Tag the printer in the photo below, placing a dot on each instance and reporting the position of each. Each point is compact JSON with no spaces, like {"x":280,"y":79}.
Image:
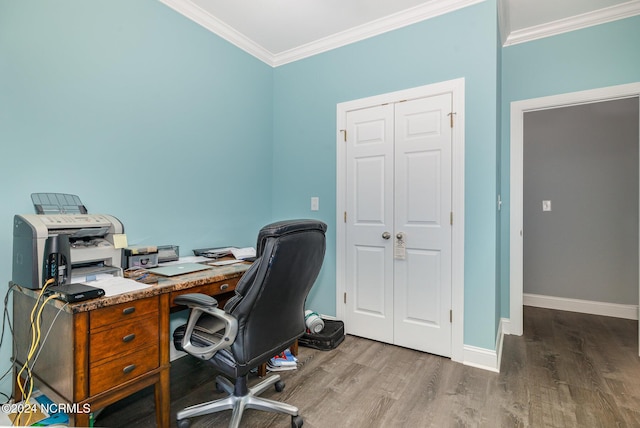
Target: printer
{"x":91,"y":241}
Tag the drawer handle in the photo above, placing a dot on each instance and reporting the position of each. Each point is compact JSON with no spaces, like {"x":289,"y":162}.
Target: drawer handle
{"x":129,"y":337}
{"x":224,"y":286}
{"x":129,"y":310}
{"x":129,"y":368}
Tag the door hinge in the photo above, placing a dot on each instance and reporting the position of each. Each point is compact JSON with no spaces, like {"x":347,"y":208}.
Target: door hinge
{"x":451,"y":218}
{"x":450,"y":315}
{"x":451,"y":118}
{"x":344,"y":134}
{"x":345,"y":216}
{"x":345,"y":298}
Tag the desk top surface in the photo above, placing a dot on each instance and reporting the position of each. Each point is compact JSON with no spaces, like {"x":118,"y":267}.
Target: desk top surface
{"x":157,"y":285}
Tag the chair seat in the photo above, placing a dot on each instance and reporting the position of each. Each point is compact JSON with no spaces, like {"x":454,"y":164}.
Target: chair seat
{"x":223,"y":359}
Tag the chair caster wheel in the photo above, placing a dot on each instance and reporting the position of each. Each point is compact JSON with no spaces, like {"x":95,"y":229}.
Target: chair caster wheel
{"x":296,"y":421}
{"x":279,"y":385}
{"x":184,"y":423}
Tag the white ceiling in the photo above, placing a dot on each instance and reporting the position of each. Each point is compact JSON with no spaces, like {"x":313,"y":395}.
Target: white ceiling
{"x":281,"y":31}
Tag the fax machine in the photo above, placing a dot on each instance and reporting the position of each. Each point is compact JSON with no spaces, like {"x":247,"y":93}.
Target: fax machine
{"x":91,"y":239}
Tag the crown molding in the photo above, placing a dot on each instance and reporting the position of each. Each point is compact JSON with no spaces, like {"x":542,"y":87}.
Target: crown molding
{"x":373,"y":28}
{"x":401,"y":19}
{"x":589,"y":19}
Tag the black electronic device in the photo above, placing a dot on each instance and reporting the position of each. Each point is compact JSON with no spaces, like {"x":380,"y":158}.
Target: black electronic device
{"x":213,"y":253}
{"x":57,"y":260}
{"x":75,"y":292}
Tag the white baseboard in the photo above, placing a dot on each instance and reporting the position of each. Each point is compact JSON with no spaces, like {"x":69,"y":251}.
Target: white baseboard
{"x":500,"y":339}
{"x":481,"y":358}
{"x":506,"y":325}
{"x":328,"y":317}
{"x":584,"y":306}
{"x":486,"y":359}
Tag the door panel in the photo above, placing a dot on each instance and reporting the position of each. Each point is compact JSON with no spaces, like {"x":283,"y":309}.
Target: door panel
{"x":423,"y":188}
{"x":369,"y":184}
{"x":422,"y":301}
{"x":370,"y":175}
{"x":422,"y":292}
{"x":369,"y":296}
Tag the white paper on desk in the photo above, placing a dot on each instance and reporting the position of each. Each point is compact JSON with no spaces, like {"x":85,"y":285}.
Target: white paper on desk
{"x":117,"y":285}
{"x":243,"y":253}
{"x":83,"y":278}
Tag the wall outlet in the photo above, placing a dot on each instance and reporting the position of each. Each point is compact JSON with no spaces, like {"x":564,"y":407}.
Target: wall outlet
{"x":315,"y":203}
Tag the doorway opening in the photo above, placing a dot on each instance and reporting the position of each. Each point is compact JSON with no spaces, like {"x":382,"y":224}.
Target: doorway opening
{"x":517,"y":232}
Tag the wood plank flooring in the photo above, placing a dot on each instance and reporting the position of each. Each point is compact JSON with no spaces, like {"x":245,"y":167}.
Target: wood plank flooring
{"x":567,"y":370}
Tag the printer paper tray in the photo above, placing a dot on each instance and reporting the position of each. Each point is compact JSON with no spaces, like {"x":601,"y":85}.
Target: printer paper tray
{"x":91,"y":273}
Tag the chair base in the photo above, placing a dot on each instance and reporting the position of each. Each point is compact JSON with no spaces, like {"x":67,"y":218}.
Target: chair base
{"x":238,"y":402}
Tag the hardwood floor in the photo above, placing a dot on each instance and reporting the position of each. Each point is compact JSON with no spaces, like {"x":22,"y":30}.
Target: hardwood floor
{"x":567,"y":370}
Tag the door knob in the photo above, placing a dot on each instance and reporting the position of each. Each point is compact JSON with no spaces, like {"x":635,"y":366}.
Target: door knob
{"x":386,"y":235}
{"x":399,"y":236}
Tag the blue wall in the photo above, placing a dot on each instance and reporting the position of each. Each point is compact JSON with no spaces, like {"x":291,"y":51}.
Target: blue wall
{"x":306,"y":93}
{"x":594,"y":57}
{"x":139,"y":111}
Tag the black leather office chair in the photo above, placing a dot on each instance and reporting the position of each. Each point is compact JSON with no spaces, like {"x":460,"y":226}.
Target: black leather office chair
{"x":265,"y":317}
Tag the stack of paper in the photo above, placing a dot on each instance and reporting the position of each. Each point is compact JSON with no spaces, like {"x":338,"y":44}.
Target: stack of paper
{"x":243,"y":253}
{"x":283,"y":361}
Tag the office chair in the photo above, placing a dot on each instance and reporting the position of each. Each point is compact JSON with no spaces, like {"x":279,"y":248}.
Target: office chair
{"x":265,"y":317}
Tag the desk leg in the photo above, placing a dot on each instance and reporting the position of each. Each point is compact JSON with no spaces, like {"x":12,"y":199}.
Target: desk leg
{"x":80,"y":420}
{"x":262,"y":370}
{"x":163,"y":406}
{"x":17,"y":382}
{"x":162,"y":389}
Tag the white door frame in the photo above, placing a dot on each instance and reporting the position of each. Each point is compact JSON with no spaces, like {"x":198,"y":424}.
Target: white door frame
{"x":456,"y":87}
{"x":518,"y":108}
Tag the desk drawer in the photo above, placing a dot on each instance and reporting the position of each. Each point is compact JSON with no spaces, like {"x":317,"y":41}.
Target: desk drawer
{"x":122,"y":312}
{"x":123,"y":337}
{"x":212,"y":289}
{"x":122,"y":369}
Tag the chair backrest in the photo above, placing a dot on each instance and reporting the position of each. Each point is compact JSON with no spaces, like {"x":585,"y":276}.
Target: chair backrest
{"x":270,"y":296}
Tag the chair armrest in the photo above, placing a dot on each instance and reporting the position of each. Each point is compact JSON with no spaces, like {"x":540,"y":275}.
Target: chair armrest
{"x":202,"y":304}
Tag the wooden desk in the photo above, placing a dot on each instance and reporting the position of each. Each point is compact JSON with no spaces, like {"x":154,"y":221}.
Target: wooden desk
{"x":102,"y":350}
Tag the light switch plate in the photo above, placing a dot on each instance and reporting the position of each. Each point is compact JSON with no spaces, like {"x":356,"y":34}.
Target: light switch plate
{"x":546,"y":205}
{"x":315,"y":203}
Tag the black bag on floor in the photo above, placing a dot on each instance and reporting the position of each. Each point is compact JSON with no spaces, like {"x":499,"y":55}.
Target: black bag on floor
{"x":329,"y":338}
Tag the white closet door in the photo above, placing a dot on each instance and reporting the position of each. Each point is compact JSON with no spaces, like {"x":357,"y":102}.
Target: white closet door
{"x":398,"y":232}
{"x":422,"y":280}
{"x":369,"y":182}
